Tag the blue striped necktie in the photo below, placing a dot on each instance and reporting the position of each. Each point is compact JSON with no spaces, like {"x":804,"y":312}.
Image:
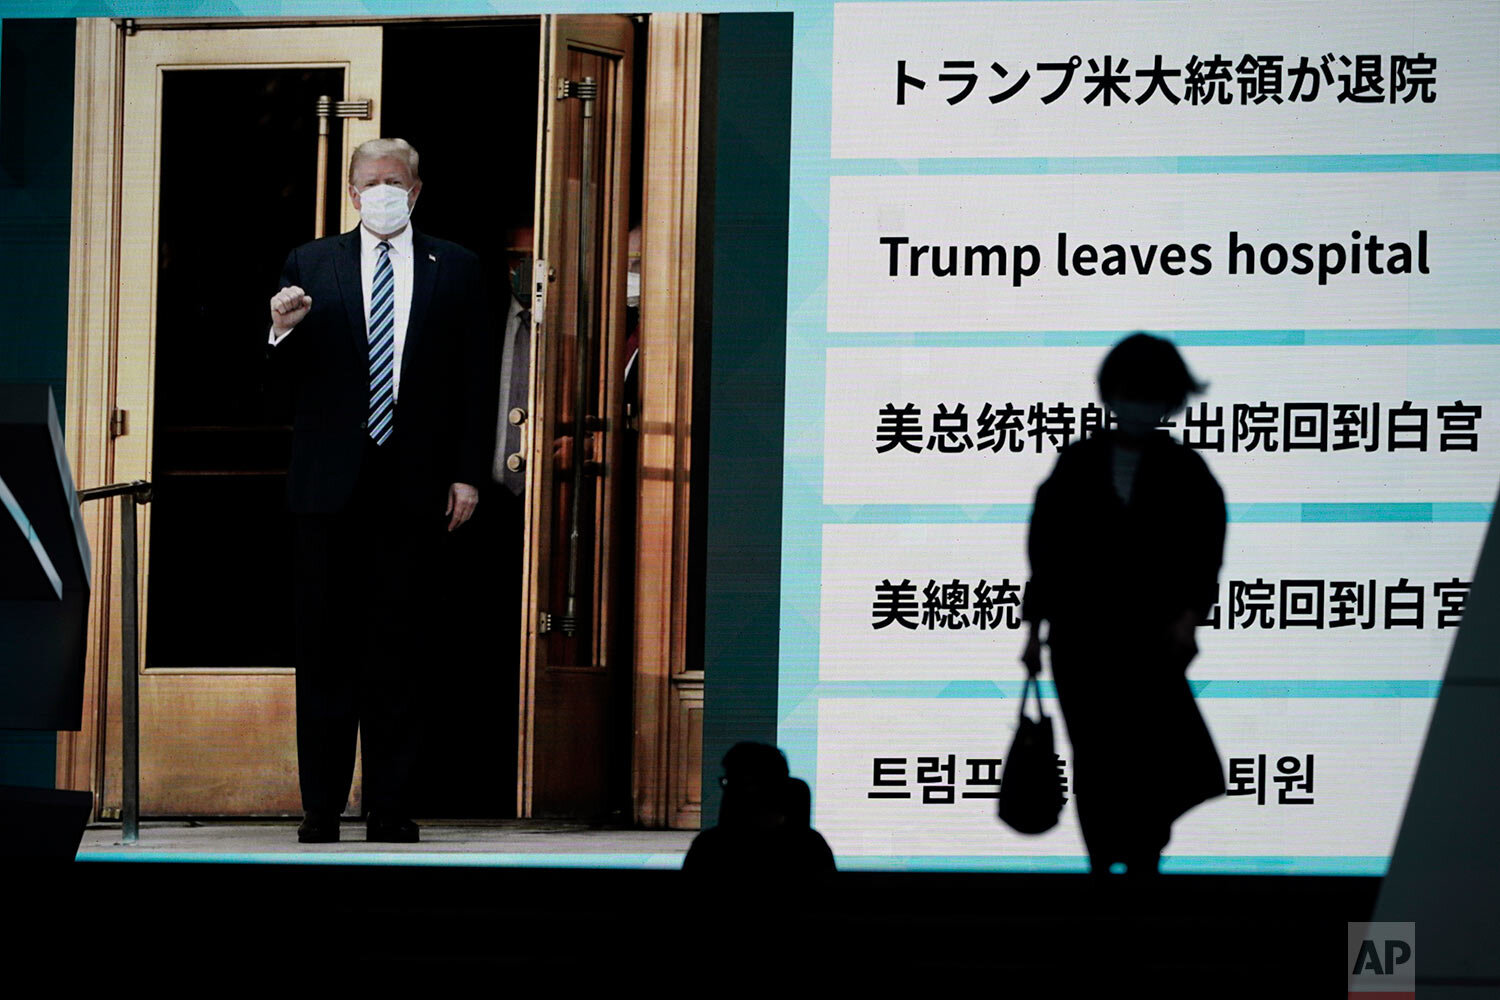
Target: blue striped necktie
{"x":382,"y":347}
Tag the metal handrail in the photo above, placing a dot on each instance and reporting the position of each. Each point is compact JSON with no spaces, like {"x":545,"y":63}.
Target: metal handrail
{"x":139,"y":492}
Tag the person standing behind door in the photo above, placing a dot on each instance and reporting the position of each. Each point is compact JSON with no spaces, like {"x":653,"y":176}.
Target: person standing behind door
{"x":1126,"y":540}
{"x":383,"y":333}
{"x":509,"y":464}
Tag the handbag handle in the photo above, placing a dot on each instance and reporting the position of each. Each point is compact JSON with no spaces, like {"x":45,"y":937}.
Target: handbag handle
{"x":1031,"y":684}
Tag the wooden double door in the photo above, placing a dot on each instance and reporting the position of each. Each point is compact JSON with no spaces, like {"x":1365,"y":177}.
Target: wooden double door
{"x":232,"y":146}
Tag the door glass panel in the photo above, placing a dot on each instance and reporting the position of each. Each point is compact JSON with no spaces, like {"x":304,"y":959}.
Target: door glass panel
{"x":238,"y":166}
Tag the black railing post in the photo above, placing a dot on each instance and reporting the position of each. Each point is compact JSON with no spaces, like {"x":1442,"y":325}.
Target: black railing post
{"x":135,"y":494}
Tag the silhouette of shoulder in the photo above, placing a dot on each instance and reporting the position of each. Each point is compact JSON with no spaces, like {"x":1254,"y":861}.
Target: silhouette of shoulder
{"x":1187,"y":466}
{"x":1077,"y":458}
{"x":706,"y":851}
{"x":816,"y":852}
{"x":763,"y":853}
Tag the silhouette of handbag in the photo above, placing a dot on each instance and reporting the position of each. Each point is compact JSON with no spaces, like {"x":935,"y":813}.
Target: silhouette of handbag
{"x":1031,"y":784}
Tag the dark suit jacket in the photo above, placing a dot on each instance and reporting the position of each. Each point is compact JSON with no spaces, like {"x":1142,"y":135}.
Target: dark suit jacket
{"x":445,"y":412}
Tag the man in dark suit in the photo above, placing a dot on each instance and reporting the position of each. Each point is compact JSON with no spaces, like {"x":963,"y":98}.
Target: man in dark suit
{"x":383,"y":333}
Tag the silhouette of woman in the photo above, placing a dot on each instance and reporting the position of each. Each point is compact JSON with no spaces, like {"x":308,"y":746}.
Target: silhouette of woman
{"x":1126,"y":539}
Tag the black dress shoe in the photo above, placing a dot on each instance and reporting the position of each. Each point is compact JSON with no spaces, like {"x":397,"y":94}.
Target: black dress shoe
{"x":318,"y":828}
{"x":389,"y":829}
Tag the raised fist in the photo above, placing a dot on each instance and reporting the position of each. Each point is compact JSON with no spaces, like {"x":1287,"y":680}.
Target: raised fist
{"x":288,"y":308}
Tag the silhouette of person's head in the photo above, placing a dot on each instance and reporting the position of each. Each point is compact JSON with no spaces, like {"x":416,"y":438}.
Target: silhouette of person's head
{"x":754,"y":782}
{"x":764,"y":831}
{"x":1143,"y":379}
{"x":798,"y":804}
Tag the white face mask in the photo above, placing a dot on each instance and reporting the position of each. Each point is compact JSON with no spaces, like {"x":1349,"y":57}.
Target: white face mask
{"x":632,"y":288}
{"x":383,"y":209}
{"x":1137,"y":419}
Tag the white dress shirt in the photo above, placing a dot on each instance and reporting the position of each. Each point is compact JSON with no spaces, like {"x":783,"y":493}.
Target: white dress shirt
{"x":401,"y":266}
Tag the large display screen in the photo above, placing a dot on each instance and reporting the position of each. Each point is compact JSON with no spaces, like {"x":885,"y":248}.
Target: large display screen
{"x":986,"y":197}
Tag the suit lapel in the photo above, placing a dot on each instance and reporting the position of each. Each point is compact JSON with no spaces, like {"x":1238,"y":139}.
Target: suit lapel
{"x":424,"y":276}
{"x":351,"y":290}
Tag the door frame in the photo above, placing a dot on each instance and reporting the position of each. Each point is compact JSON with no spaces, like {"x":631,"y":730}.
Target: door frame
{"x":666,"y":772}
{"x":667,"y":689}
